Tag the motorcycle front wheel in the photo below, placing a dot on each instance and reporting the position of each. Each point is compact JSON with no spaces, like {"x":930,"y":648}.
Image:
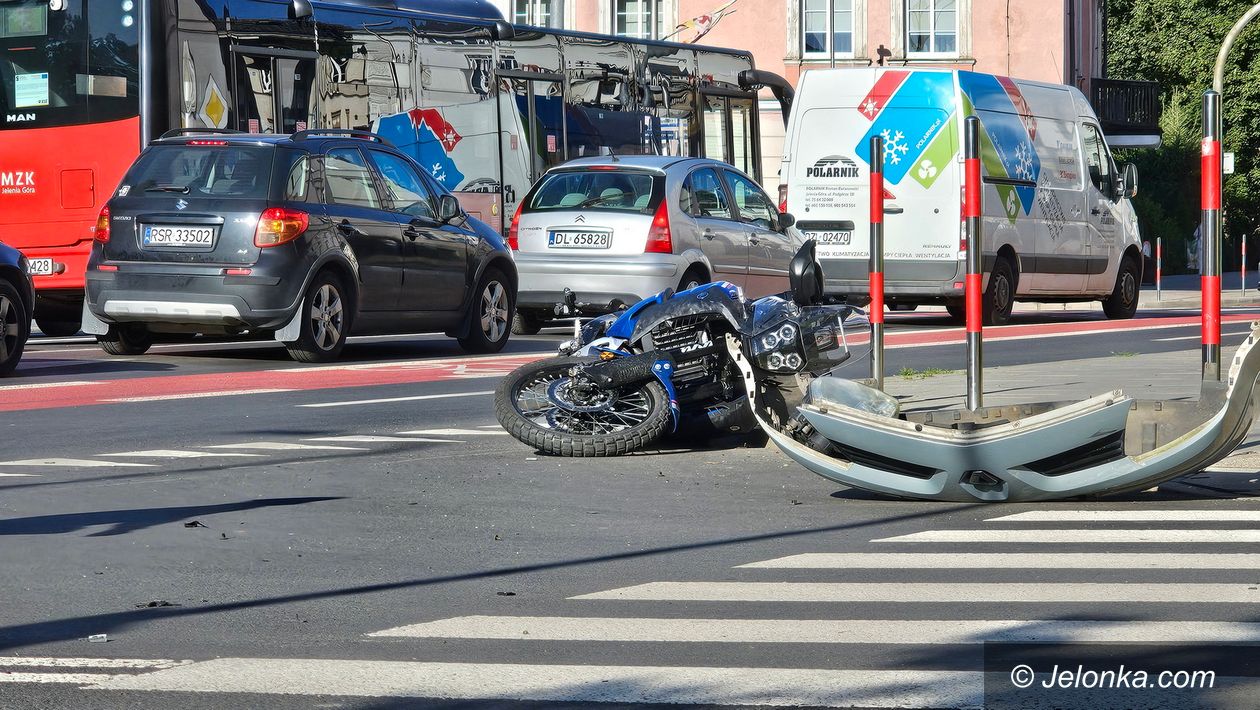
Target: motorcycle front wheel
{"x":542,"y":406}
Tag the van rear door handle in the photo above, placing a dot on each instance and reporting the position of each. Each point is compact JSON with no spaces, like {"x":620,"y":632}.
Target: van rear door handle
{"x":893,"y":209}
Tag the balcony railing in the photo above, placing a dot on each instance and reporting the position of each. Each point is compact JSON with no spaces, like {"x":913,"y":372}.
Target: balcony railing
{"x":1126,"y":107}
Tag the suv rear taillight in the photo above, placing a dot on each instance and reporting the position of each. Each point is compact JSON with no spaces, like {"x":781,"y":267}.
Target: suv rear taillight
{"x":278,"y":225}
{"x":514,"y":236}
{"x":101,"y":233}
{"x":659,"y":240}
{"x":783,"y":198}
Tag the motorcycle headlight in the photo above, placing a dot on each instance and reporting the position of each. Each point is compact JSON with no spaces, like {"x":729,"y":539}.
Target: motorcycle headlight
{"x":778,"y":348}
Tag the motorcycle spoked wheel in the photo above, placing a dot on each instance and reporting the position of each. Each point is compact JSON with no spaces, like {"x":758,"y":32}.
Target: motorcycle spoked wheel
{"x":540,"y":405}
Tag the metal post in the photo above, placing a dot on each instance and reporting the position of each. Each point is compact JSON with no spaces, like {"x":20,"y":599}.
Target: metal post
{"x":1242,"y":269}
{"x":1210,"y":235}
{"x":1159,"y":267}
{"x":973,"y":211}
{"x":876,"y":261}
{"x":831,"y":36}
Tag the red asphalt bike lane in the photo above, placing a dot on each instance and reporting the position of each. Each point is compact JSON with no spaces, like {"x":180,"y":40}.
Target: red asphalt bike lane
{"x":18,"y":397}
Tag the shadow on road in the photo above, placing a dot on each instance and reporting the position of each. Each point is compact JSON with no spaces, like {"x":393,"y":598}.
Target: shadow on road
{"x":125,"y":521}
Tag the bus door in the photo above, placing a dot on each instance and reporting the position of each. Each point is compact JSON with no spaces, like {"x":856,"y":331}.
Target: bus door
{"x":538,"y":100}
{"x":730,"y":130}
{"x":273,"y":89}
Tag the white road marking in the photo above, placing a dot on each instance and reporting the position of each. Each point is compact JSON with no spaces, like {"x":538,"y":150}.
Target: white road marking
{"x":195,"y":395}
{"x":176,"y":454}
{"x":1079,"y":536}
{"x":72,"y":678}
{"x":285,"y":446}
{"x":397,"y":399}
{"x":950,"y":592}
{"x":567,"y":683}
{"x":980,"y":560}
{"x":1130,"y":516}
{"x":366,"y":438}
{"x":18,"y":475}
{"x":49,"y":662}
{"x":43,"y":385}
{"x":1187,"y":337}
{"x":1039,"y":336}
{"x":403,"y":364}
{"x":79,"y":463}
{"x":827,"y":631}
{"x":455,"y":432}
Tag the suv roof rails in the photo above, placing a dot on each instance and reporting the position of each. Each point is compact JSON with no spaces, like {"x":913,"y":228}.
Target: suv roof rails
{"x":185,"y":131}
{"x":315,"y":132}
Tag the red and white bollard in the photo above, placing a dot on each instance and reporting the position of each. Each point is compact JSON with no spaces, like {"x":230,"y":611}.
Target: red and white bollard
{"x":1159,"y":267}
{"x":1210,"y":234}
{"x":973,"y":210}
{"x":876,"y":261}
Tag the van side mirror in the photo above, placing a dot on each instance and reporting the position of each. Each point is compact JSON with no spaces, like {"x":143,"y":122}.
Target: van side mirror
{"x":805,"y":276}
{"x":1130,"y":178}
{"x":300,"y":9}
{"x":786,"y":219}
{"x":447,"y":208}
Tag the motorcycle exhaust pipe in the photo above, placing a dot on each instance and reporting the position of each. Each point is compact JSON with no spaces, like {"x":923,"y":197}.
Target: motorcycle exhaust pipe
{"x":628,"y":370}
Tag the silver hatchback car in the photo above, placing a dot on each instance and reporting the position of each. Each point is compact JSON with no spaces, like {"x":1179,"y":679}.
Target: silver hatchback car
{"x":614,"y":230}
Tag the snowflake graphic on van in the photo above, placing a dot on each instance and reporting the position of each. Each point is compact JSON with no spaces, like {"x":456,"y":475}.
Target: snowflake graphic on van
{"x":917,"y":106}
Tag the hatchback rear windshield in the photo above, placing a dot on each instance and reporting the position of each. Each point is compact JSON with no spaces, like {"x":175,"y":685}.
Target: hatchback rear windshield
{"x":616,"y":190}
{"x":203,"y":171}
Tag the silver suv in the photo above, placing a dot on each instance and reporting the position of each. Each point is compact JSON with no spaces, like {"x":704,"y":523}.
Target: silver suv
{"x":614,"y":230}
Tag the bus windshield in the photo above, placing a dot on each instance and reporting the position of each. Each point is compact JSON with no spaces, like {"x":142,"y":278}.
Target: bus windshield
{"x":75,"y":65}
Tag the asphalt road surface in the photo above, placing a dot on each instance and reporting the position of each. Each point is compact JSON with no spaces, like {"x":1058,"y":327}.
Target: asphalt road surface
{"x":245,"y":531}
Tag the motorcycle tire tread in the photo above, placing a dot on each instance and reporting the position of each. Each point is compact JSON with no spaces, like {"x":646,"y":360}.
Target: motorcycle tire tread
{"x":577,"y":445}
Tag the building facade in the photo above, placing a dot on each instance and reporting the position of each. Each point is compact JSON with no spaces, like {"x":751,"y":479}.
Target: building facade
{"x":1052,"y":40}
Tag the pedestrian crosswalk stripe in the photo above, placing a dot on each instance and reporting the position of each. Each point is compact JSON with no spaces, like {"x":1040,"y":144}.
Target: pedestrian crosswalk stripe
{"x":1002,"y":560}
{"x":567,"y":683}
{"x":177,"y":454}
{"x":54,"y":662}
{"x":285,"y":446}
{"x":1130,"y":516}
{"x":74,"y":463}
{"x":56,"y":677}
{"x":1180,"y":536}
{"x":951,"y":592}
{"x":827,"y":631}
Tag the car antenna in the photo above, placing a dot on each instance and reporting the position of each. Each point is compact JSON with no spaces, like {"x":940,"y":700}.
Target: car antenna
{"x":615,"y":159}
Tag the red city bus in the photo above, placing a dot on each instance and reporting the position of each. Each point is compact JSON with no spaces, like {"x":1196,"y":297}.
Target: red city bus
{"x":70,"y":106}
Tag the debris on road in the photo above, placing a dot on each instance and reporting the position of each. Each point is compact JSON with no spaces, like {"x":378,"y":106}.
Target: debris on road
{"x":195,"y":524}
{"x":98,"y":638}
{"x":155,"y":604}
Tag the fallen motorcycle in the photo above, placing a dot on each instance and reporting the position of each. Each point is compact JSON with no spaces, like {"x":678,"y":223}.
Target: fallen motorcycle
{"x":668,"y":364}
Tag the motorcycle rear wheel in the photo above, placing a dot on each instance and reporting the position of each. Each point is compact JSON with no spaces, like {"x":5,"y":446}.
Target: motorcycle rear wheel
{"x":538,"y":405}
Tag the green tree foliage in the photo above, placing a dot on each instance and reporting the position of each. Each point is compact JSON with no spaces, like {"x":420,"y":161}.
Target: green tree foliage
{"x":1175,"y":42}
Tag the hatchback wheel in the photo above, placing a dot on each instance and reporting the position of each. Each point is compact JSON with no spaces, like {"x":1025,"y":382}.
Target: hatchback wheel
{"x":325,"y":321}
{"x":491,"y":316}
{"x":14,"y":327}
{"x":126,"y":339}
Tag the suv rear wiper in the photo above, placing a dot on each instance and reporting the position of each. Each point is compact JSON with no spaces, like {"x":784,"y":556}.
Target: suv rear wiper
{"x":182,"y":189}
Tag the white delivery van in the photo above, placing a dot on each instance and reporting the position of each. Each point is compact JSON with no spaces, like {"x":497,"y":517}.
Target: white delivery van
{"x":1058,"y":223}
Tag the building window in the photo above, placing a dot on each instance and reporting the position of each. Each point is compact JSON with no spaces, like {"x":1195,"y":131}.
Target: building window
{"x":827,"y":27}
{"x":931,"y":27}
{"x":539,"y":13}
{"x":638,"y":19}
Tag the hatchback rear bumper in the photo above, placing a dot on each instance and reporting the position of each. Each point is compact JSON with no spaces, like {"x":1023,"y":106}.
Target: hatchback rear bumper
{"x":599,"y":283}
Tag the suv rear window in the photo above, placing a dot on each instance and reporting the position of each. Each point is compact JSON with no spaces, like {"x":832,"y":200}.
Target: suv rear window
{"x":616,"y":190}
{"x":204,"y":171}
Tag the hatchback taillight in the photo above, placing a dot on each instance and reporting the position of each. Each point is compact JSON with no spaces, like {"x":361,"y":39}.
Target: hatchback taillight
{"x":659,"y":240}
{"x":783,"y":192}
{"x":278,"y":225}
{"x":101,"y":233}
{"x":514,"y":236}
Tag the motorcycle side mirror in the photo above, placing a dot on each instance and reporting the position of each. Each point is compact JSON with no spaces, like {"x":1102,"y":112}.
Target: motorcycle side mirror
{"x":786,"y":219}
{"x":805,"y":276}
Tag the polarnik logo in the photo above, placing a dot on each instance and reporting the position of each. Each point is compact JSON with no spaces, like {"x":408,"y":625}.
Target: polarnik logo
{"x":833,"y":166}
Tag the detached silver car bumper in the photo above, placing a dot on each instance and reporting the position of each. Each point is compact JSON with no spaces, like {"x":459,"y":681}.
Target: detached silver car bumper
{"x":601,"y":282}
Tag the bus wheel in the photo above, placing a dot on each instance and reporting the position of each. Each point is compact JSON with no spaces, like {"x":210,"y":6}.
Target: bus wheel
{"x":999,"y":297}
{"x":1123,"y":301}
{"x":126,"y":339}
{"x":57,"y":328}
